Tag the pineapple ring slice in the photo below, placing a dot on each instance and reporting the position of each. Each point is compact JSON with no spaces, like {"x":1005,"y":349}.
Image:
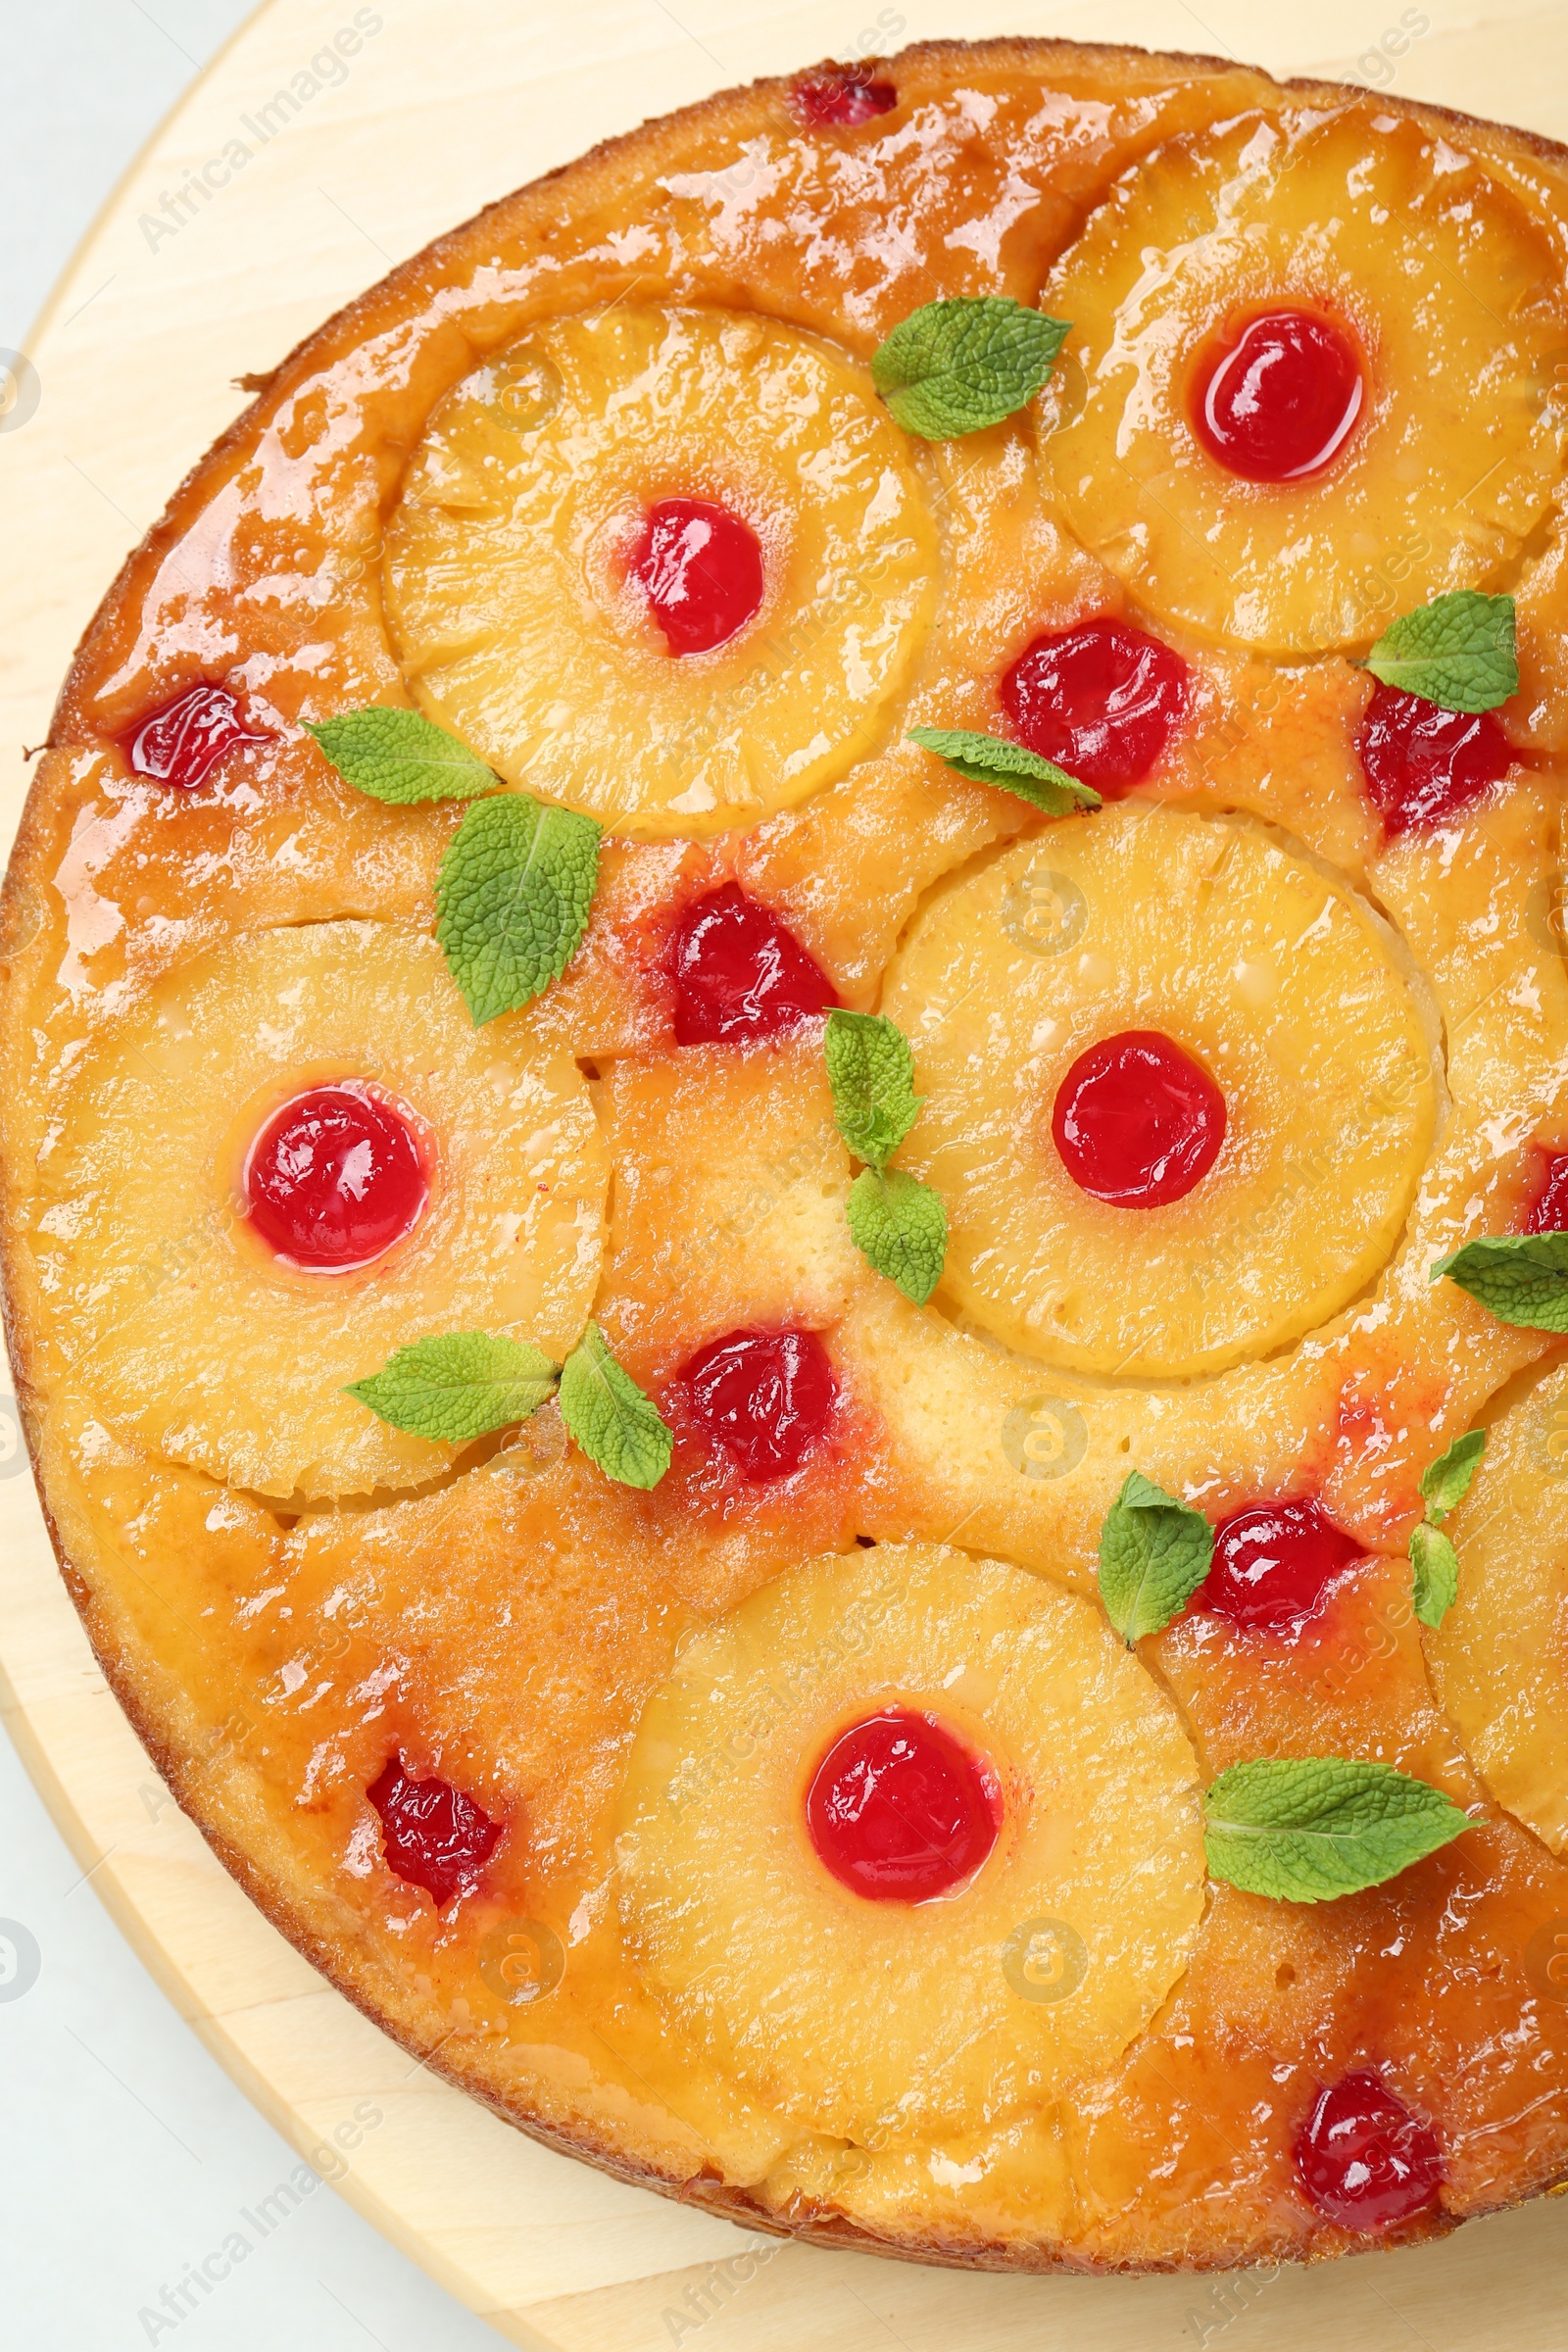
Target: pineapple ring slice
{"x":1449,"y":286}
{"x":1500,"y":1659}
{"x":1289,"y":992}
{"x":887,"y":2022}
{"x":206,"y":1347}
{"x":506,"y":567}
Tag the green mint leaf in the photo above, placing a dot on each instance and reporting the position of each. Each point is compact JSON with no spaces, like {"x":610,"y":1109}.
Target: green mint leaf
{"x":616,"y":1425}
{"x":512,"y":899}
{"x":1154,"y":1555}
{"x":1521,"y":1277}
{"x":1437,"y":1574}
{"x":1457,"y":651}
{"x":991,"y":760}
{"x":459,"y":1385}
{"x":1446,"y":1481}
{"x":958,"y":366}
{"x":900,"y":1225}
{"x":871,"y":1072}
{"x":1307,"y":1828}
{"x":401,"y":756}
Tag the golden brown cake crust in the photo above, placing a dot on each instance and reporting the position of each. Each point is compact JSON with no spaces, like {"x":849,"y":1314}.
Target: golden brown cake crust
{"x":139,"y":1535}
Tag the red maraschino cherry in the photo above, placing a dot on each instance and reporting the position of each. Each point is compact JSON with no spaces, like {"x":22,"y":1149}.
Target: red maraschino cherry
{"x":899,"y":1810}
{"x":1548,"y":1211}
{"x":1277,"y":401}
{"x":767,"y":1399}
{"x":1101,"y":700}
{"x":334,"y":1178}
{"x":182,"y":740}
{"x":1364,"y":2159}
{"x":1425,"y":765}
{"x":1274,"y":1562}
{"x":432,"y":1835}
{"x":1137,"y":1122}
{"x":740,"y":974}
{"x":844,"y":98}
{"x":700,"y":568}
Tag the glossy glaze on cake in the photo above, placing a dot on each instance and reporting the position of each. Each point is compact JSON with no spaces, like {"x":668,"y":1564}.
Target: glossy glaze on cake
{"x":602,"y":483}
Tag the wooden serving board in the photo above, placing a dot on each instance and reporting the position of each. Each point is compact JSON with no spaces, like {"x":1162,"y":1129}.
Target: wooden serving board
{"x":279,"y":188}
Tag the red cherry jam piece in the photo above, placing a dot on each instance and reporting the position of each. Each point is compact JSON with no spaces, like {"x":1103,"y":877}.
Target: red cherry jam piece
{"x":765,"y":1398}
{"x":180,"y":741}
{"x":1100,"y":699}
{"x":1277,"y":402}
{"x":1425,"y":765}
{"x":1273,"y":1563}
{"x":334,"y":1178}
{"x":1137,"y":1122}
{"x":739,"y":973}
{"x":700,"y":568}
{"x":431,"y":1835}
{"x":899,"y":1810}
{"x":1549,"y":1210}
{"x":1364,"y":2160}
{"x":844,"y":98}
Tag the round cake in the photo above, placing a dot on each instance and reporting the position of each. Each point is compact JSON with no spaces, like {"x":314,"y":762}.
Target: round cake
{"x":786,"y":1157}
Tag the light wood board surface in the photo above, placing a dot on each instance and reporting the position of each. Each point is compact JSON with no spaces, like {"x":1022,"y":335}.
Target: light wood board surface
{"x":448,"y":104}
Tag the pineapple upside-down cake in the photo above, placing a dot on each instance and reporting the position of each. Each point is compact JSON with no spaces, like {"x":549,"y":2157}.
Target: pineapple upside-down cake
{"x":786,"y":1157}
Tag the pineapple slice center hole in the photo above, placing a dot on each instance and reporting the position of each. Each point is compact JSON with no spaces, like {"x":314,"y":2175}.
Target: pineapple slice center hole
{"x":901,"y":1810}
{"x":700,"y":567}
{"x":1137,"y":1122}
{"x":336,"y":1177}
{"x":1276,"y":397}
{"x":1101,"y":699}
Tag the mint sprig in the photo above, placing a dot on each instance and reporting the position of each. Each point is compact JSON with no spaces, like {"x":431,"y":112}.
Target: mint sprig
{"x":960,"y":365}
{"x":1458,"y":652}
{"x":991,"y":760}
{"x":1445,"y":1483}
{"x":458,"y":1385}
{"x":900,"y":1227}
{"x":1521,"y":1277}
{"x":615,"y":1424}
{"x":512,"y":899}
{"x":1154,"y":1555}
{"x":464,"y":1384}
{"x":1434,"y":1562}
{"x":1309,"y":1829}
{"x":898,"y":1223}
{"x":1433,"y":1574}
{"x":871,"y":1073}
{"x":400,"y":755}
